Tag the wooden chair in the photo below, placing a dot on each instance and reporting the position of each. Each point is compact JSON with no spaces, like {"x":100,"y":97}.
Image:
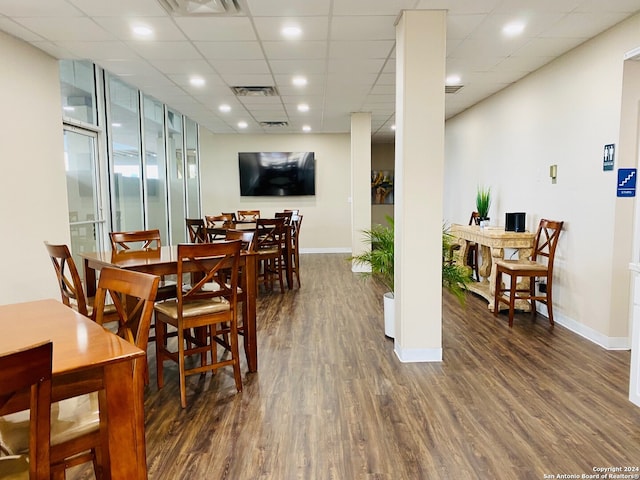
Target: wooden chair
{"x":216,"y":225}
{"x":269,"y":239}
{"x":232,"y":215}
{"x":143,"y":240}
{"x":472,"y":248}
{"x":135,"y":240}
{"x":195,"y":229}
{"x":75,"y":425}
{"x":248,"y":216}
{"x":546,"y":241}
{"x":71,"y":288}
{"x":296,"y":224}
{"x":201,"y":309}
{"x":286,"y":215}
{"x":29,"y":371}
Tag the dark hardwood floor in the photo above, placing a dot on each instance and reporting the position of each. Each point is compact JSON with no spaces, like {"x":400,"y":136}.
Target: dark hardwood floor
{"x":332,"y":401}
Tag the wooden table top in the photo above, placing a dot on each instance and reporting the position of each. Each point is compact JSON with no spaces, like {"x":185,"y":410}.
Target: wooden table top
{"x":78,"y":342}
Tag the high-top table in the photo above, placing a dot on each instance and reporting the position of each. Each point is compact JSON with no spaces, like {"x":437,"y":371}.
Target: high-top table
{"x":86,"y":358}
{"x":492,"y":242}
{"x":164,"y":261}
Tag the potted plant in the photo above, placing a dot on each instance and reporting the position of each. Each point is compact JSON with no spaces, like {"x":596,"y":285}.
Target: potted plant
{"x":380,"y":258}
{"x":483,"y":203}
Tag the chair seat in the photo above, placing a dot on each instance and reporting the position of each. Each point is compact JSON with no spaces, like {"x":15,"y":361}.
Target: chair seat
{"x":519,"y":265}
{"x":268,"y":251}
{"x":70,"y":418}
{"x":14,"y":467}
{"x":193,"y":308}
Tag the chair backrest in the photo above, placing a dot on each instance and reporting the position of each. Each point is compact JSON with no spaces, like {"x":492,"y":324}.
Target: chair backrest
{"x":475,"y":219}
{"x":133,"y":295}
{"x":71,"y":289}
{"x":248,"y":215}
{"x":29,"y":370}
{"x":288,"y":217}
{"x":138,"y":240}
{"x":546,"y":241}
{"x":208,"y":263}
{"x":269,"y":233}
{"x":224,"y":220}
{"x":297,"y":224}
{"x":232,"y":215}
{"x":246,"y":237}
{"x":195,"y":229}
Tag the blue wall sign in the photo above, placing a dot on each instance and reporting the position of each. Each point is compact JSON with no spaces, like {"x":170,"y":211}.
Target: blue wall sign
{"x":627,"y":182}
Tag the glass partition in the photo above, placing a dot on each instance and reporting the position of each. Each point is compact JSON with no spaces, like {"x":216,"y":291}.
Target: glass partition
{"x":126,"y":170}
{"x":176,"y":177}
{"x":78,"y":91}
{"x":192,"y":177}
{"x":155,"y":167}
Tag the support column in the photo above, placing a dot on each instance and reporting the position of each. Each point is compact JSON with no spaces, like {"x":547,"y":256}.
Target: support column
{"x":419,"y":176}
{"x":360,"y":183}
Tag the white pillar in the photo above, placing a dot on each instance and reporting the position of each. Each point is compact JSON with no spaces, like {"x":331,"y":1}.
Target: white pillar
{"x":360,"y":183}
{"x":420,"y":67}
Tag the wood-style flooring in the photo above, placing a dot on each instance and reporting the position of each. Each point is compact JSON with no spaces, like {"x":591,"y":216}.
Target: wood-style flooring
{"x":332,"y":401}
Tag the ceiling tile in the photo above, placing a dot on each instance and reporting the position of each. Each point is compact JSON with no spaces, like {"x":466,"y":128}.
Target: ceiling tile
{"x":119,"y":8}
{"x":313,"y":28}
{"x":298,"y":50}
{"x":100,"y":50}
{"x":164,"y":30}
{"x":364,"y":49}
{"x":230,"y":50}
{"x":66,"y":29}
{"x":38,"y":8}
{"x":166,"y":50}
{"x":373,"y":7}
{"x":222,"y":29}
{"x":287,"y":8}
{"x":363,"y":27}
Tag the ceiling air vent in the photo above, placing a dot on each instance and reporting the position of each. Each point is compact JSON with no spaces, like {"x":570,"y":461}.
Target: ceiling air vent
{"x":255,"y":91}
{"x":452,"y":88}
{"x":188,"y":8}
{"x":274,"y":124}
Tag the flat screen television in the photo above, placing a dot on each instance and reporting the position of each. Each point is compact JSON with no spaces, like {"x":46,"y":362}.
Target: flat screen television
{"x":277,"y":173}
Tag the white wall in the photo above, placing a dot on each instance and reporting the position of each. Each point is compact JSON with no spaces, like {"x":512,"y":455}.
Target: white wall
{"x":327,"y":218}
{"x":563,"y":114}
{"x":33,"y":201}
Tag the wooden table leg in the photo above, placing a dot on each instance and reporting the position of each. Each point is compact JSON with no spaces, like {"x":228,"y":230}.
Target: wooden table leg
{"x":122,"y":422}
{"x":249,"y":312}
{"x":89,"y":279}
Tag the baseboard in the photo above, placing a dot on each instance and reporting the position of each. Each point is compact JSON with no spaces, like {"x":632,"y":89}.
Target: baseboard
{"x":416,"y":355}
{"x":608,"y":343}
{"x":326,"y":250}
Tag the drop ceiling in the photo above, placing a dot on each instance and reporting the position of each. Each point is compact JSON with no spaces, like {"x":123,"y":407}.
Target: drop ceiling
{"x":346,"y":51}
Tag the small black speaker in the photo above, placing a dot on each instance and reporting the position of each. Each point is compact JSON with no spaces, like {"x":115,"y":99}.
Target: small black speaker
{"x":515,"y":222}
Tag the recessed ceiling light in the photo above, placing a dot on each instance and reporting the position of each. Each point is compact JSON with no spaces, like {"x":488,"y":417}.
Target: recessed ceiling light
{"x":512,"y":29}
{"x":197,"y":81}
{"x":299,"y":81}
{"x":224,"y":108}
{"x":303,"y":107}
{"x":142,"y":30}
{"x":306,"y":128}
{"x":453,"y":80}
{"x":291,"y":31}
{"x":243,"y":124}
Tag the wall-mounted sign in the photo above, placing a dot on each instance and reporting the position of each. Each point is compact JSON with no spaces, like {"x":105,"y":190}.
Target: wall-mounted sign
{"x":627,"y":182}
{"x":608,"y":157}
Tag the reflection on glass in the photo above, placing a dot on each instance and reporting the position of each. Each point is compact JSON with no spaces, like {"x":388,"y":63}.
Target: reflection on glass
{"x":78,"y":92}
{"x":176,"y":177}
{"x":126,"y":168}
{"x":155,"y":165}
{"x":193,"y":195}
{"x":80,"y":166}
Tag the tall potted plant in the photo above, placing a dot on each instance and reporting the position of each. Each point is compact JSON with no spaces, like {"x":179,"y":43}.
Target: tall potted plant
{"x":380,"y":258}
{"x":483,"y":203}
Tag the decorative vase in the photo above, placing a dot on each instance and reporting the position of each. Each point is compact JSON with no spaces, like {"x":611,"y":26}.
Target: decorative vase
{"x":389,"y":315}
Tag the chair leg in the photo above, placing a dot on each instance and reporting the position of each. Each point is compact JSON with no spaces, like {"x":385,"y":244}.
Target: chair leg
{"x":161,"y":345}
{"x":549,"y":304}
{"x":497,"y":294}
{"x":512,"y":297}
{"x":236,"y":355}
{"x":181,"y":361}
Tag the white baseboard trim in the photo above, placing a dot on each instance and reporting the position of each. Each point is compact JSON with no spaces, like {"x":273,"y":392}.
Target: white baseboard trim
{"x":326,"y":250}
{"x":608,"y":343}
{"x":416,"y":355}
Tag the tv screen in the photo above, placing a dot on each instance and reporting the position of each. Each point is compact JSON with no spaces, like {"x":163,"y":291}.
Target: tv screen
{"x":276,"y":173}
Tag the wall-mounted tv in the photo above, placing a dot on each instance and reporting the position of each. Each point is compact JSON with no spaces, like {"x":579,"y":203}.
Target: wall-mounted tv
{"x":277,"y":173}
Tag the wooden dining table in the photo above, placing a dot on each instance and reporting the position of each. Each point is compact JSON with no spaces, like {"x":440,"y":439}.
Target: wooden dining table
{"x":86,"y":358}
{"x":164,"y":261}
